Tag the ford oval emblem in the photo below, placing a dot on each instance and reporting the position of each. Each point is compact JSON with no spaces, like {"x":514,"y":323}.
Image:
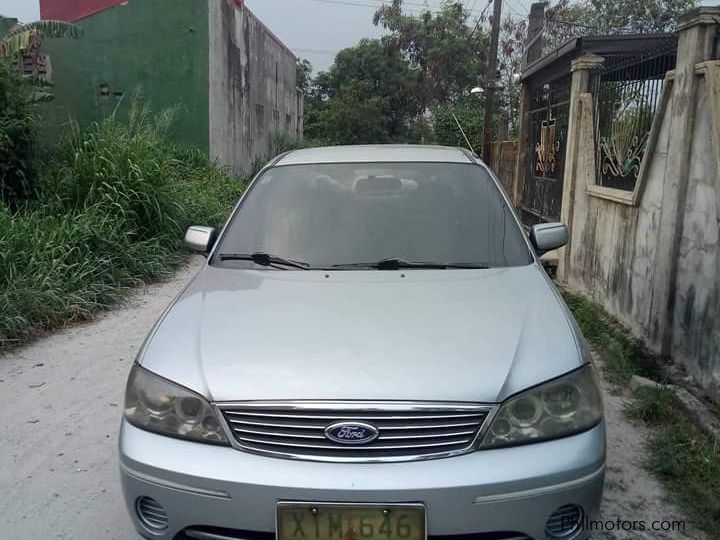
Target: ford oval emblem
{"x":352,"y":433}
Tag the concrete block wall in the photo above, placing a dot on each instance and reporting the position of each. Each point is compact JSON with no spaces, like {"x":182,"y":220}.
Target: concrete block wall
{"x":652,"y":257}
{"x":253,"y":95}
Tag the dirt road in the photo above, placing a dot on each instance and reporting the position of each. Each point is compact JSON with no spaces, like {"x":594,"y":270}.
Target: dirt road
{"x":631,"y":493}
{"x":60,"y":407}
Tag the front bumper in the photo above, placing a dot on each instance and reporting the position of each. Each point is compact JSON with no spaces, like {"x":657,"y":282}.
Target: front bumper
{"x":509,"y":489}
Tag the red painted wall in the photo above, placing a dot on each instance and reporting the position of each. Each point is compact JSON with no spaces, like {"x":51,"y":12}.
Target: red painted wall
{"x":73,"y":10}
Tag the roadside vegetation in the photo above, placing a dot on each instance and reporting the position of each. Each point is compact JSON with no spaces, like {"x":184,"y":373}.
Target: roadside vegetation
{"x":679,"y":454}
{"x":407,"y":85}
{"x":104,"y":210}
{"x":622,"y":354}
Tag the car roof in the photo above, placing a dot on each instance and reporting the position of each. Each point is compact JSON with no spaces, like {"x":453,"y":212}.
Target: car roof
{"x":378,"y":153}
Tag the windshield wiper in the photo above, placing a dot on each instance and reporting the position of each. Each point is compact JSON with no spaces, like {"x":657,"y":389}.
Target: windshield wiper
{"x":397,"y":264}
{"x":265,"y":259}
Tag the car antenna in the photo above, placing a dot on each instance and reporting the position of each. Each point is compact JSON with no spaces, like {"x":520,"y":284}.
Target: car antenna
{"x":463,"y":133}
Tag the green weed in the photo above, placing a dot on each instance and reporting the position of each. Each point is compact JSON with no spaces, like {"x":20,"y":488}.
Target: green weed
{"x":681,"y":456}
{"x":689,"y":465}
{"x":622,"y":354}
{"x":112,"y":206}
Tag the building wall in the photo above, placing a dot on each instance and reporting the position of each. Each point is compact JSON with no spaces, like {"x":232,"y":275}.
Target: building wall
{"x":253,"y":95}
{"x":6,"y":23}
{"x":654,"y":260}
{"x":73,"y":10}
{"x":156,"y":49}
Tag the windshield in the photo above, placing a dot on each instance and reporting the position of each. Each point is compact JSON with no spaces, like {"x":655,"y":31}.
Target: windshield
{"x":331,"y":215}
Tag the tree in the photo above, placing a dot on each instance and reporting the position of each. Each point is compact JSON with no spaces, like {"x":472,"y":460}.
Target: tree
{"x":568,"y":19}
{"x":444,"y":53}
{"x":353,"y":117}
{"x":369,"y":84}
{"x":513,"y":34}
{"x":469,"y":112}
{"x":304,"y":75}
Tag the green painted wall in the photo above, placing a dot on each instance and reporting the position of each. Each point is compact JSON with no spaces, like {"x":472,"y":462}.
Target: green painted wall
{"x":6,"y":24}
{"x":159,"y":48}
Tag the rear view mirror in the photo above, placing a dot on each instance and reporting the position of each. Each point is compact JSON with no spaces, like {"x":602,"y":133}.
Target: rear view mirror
{"x":200,"y":239}
{"x":378,"y":186}
{"x":548,"y":236}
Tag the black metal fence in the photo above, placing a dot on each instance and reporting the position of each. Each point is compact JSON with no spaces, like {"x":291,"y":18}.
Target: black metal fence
{"x":548,"y":126}
{"x":627,"y":94}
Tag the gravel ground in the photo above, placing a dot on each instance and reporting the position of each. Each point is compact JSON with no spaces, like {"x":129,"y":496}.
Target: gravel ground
{"x":631,"y":493}
{"x":60,"y":407}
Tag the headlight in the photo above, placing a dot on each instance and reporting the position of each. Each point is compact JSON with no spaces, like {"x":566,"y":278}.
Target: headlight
{"x":156,"y":404}
{"x":562,"y":407}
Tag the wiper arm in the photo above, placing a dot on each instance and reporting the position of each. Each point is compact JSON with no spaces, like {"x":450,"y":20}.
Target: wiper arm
{"x":264,"y":259}
{"x":397,"y":264}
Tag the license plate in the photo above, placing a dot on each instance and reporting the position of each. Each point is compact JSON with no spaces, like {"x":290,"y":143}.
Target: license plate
{"x":308,"y":521}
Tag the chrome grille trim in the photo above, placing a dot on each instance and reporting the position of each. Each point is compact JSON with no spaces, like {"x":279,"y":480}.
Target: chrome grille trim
{"x":315,"y":426}
{"x":409,"y":431}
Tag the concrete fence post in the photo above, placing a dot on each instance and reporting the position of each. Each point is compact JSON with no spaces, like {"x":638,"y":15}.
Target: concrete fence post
{"x":696,"y":36}
{"x":581,"y":69}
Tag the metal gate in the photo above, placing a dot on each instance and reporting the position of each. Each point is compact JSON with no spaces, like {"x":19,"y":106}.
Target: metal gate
{"x":545,"y":165}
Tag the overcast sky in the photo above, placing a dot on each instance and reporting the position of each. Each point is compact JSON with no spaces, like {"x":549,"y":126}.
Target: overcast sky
{"x":313,"y":29}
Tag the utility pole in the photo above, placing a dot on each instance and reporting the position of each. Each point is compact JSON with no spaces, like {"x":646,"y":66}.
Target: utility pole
{"x":490,"y":80}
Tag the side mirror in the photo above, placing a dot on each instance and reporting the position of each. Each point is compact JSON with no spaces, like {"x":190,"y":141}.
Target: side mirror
{"x":548,"y":236}
{"x":201,"y":239}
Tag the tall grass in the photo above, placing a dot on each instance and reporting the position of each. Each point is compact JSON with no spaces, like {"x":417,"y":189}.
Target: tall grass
{"x":17,"y":135}
{"x":682,"y":457}
{"x":112,"y":206}
{"x":623,"y":355}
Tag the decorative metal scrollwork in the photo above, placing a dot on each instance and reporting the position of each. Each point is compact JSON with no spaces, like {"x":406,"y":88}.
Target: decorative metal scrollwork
{"x":622,"y":158}
{"x":547,"y":149}
{"x":625,"y":111}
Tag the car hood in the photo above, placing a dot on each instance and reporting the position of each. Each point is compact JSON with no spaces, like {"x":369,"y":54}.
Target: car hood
{"x":445,"y":335}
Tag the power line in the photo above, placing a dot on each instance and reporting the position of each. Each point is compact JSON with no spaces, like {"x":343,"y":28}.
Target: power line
{"x":373,"y":6}
{"x":344,"y":3}
{"x":429,"y":5}
{"x":316,"y":51}
{"x":514,"y":10}
{"x":480,"y":18}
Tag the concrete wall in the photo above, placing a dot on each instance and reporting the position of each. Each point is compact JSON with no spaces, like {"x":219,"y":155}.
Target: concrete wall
{"x":613,"y":248}
{"x":156,"y":47}
{"x":652,"y":256}
{"x":6,"y":23}
{"x":253,"y":94}
{"x":696,"y":320}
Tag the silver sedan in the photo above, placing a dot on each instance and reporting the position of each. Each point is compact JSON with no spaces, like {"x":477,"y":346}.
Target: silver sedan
{"x":373,"y":351}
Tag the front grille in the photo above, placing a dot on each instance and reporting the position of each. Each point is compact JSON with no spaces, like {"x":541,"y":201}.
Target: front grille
{"x":407,"y":431}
